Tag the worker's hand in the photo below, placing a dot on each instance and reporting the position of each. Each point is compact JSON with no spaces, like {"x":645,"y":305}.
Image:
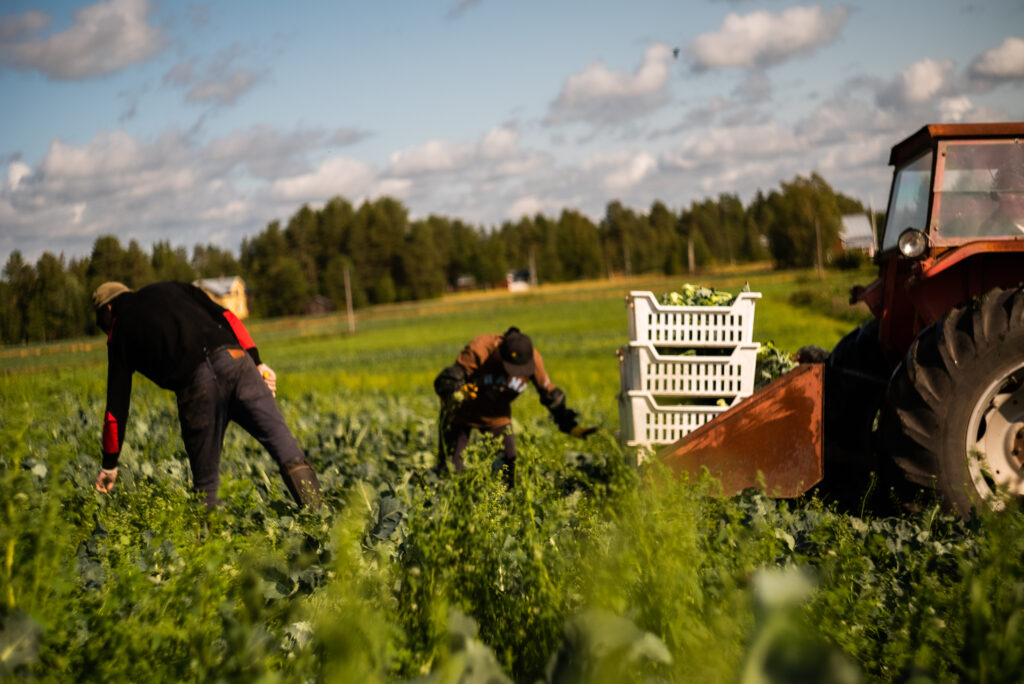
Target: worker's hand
{"x":269,"y":377}
{"x":811,"y":354}
{"x":467,"y":391}
{"x":582,"y":432}
{"x":106,"y":479}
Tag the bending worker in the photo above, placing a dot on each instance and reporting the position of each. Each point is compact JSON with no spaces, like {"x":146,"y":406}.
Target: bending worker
{"x":176,"y":336}
{"x":478,"y":389}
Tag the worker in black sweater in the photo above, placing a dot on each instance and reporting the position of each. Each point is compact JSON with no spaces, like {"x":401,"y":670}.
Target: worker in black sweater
{"x":176,"y":336}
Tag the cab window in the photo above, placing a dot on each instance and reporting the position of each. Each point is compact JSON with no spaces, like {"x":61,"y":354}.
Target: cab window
{"x":908,"y":204}
{"x":980,"y":192}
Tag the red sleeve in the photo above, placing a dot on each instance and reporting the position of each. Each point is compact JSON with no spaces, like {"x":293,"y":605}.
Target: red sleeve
{"x":242,"y":335}
{"x":119,"y":390}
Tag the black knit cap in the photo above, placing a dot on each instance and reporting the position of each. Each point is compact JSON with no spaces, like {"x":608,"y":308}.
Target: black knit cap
{"x":516,"y":353}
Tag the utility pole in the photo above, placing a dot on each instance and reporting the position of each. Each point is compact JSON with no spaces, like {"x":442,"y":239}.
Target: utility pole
{"x":817,"y":240}
{"x":348,"y":304}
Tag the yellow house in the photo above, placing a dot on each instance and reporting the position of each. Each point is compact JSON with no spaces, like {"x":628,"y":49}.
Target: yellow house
{"x":228,"y":291}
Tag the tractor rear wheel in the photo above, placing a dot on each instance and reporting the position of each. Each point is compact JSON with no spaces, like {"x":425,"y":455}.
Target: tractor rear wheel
{"x":855,"y":378}
{"x":856,"y":374}
{"x":954,"y":414}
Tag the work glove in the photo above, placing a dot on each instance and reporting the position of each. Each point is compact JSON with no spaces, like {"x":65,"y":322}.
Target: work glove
{"x":467,"y":391}
{"x":582,"y":432}
{"x":106,"y":479}
{"x":269,"y":377}
{"x":811,"y":354}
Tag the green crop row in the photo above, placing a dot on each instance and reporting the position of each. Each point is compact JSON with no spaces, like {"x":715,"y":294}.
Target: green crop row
{"x":589,"y":570}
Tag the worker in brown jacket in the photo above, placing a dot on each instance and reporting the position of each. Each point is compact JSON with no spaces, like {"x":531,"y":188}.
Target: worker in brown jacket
{"x":477,"y":391}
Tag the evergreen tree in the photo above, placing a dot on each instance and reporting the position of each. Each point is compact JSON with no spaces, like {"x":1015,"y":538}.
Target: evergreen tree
{"x":579,"y":246}
{"x":171,"y":263}
{"x":422,"y":271}
{"x":210,"y":261}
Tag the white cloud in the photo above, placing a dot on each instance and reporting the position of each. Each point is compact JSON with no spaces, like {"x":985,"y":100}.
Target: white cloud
{"x":266,"y":152}
{"x":498,"y":145}
{"x":954,"y":109}
{"x":500,"y":142}
{"x":1005,"y":62}
{"x":434,"y":155}
{"x":919,"y":83}
{"x":524,"y":206}
{"x":15,"y":172}
{"x":335,"y":176}
{"x":104,"y":38}
{"x":17,"y":26}
{"x":222,"y":83}
{"x":600,"y":96}
{"x":762,"y":39}
{"x":620,"y":171}
{"x":728,"y":145}
{"x":843,"y":118}
{"x":171,"y":187}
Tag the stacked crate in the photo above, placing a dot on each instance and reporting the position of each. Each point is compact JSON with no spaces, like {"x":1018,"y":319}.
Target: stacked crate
{"x":683,"y":366}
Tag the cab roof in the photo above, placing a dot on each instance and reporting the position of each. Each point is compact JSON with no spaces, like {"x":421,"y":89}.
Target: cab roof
{"x":925,"y":138}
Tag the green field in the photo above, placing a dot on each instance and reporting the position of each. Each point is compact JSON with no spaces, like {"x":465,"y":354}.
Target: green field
{"x":581,"y":573}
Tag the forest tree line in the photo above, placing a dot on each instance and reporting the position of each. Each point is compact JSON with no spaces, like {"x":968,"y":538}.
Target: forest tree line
{"x":292,"y":268}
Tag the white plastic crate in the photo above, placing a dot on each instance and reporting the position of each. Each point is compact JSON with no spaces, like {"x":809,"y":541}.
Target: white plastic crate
{"x":643,"y":423}
{"x":643,"y":368}
{"x":653,"y":323}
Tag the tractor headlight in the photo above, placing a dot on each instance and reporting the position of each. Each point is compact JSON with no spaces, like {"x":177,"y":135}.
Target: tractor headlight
{"x":912,"y":243}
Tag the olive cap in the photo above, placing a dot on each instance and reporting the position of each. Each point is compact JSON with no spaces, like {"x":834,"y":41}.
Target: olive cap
{"x":106,"y":292}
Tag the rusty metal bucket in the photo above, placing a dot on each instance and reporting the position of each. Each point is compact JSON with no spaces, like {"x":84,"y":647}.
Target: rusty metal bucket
{"x":773,"y":440}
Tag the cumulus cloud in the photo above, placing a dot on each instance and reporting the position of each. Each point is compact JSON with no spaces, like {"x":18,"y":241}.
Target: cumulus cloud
{"x":171,"y":187}
{"x":335,"y":176}
{"x":620,"y":171}
{"x":725,"y":145}
{"x":17,"y":27}
{"x":528,"y":205}
{"x":500,"y":144}
{"x":15,"y":172}
{"x":600,"y":96}
{"x":220,"y":83}
{"x":761,"y":39}
{"x":1003,"y":63}
{"x":265,"y":152}
{"x":103,"y":39}
{"x":954,"y":109}
{"x":919,"y":83}
{"x":434,"y":155}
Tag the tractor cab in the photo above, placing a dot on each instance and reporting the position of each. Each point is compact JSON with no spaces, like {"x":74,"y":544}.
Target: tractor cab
{"x":954,"y":226}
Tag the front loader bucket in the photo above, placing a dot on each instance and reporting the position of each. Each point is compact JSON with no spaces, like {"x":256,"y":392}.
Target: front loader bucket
{"x":772,"y":441}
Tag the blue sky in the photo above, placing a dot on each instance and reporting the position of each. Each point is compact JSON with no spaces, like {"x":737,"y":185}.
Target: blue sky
{"x":202,"y":122}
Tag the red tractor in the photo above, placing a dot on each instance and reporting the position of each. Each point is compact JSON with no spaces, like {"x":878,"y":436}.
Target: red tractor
{"x":932,"y":387}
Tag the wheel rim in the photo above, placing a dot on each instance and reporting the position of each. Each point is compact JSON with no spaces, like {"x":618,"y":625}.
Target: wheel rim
{"x":995,"y":440}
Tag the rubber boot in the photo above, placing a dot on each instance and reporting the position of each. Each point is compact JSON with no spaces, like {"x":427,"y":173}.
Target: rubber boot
{"x":301,"y":480}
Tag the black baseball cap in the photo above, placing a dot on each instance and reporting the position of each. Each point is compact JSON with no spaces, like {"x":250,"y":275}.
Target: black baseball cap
{"x":516,"y":351}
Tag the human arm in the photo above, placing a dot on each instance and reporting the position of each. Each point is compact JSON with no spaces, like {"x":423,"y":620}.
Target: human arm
{"x":119,"y":389}
{"x":456,"y":377}
{"x":450,"y":380}
{"x":554,"y":400}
